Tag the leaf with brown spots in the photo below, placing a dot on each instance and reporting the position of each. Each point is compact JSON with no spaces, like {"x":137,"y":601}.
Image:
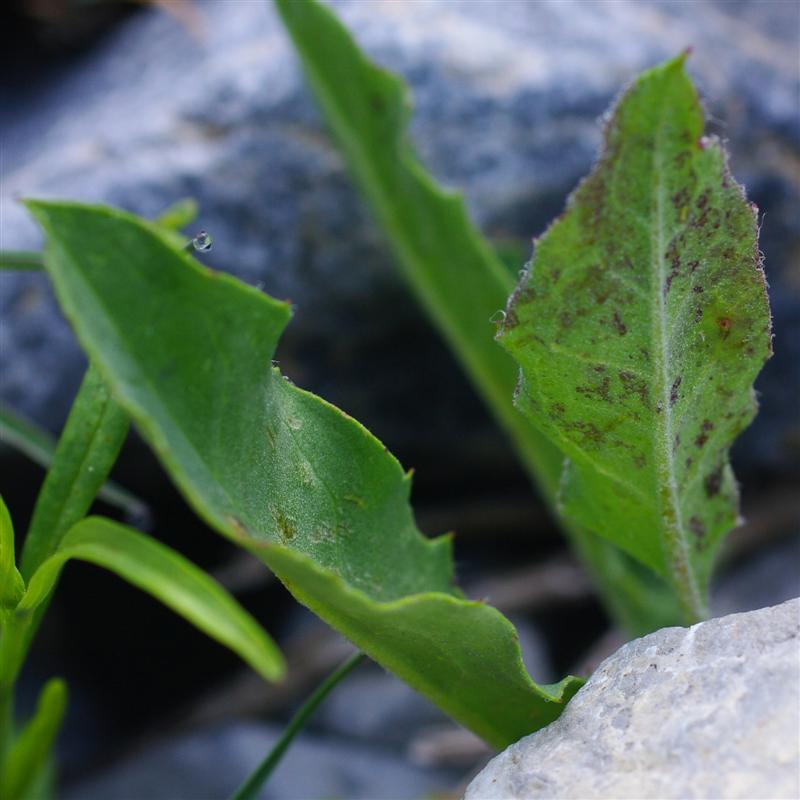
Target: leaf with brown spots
{"x":660,"y":247}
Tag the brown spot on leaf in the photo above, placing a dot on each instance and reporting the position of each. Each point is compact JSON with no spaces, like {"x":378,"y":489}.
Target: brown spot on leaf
{"x":713,"y":482}
{"x":702,"y":437}
{"x":633,"y":384}
{"x":673,"y":392}
{"x":600,"y":390}
{"x":696,"y":527}
{"x":619,"y":325}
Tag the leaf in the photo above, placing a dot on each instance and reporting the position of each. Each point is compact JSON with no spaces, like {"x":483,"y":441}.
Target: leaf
{"x":30,"y":753}
{"x":40,"y":447}
{"x":20,"y":259}
{"x":11,"y":584}
{"x":459,"y":280}
{"x":88,"y":447}
{"x":166,"y":575}
{"x":280,"y":471}
{"x":461,"y":283}
{"x":640,"y":329}
{"x":178,"y":215}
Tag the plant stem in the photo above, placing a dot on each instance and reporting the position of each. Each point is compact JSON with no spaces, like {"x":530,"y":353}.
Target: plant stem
{"x":250,"y":788}
{"x":6,"y":720}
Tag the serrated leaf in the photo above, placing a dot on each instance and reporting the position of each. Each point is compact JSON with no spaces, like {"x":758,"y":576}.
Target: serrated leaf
{"x":459,"y":280}
{"x":280,"y":471}
{"x":166,"y":575}
{"x":640,"y":328}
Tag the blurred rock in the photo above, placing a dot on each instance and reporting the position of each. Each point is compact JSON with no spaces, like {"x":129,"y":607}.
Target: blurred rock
{"x":708,"y":711}
{"x":211,"y":764}
{"x":507,"y":97}
{"x":765,"y":578}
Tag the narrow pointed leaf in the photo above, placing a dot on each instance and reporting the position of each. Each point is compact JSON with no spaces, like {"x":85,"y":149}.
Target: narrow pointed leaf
{"x":88,"y":447}
{"x":30,"y":754}
{"x":167,"y":576}
{"x":40,"y":447}
{"x":11,"y":584}
{"x":459,"y":280}
{"x":280,"y":471}
{"x":640,"y":329}
{"x":21,"y":259}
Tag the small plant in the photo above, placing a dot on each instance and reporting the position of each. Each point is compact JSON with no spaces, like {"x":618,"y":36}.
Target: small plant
{"x":637,"y":329}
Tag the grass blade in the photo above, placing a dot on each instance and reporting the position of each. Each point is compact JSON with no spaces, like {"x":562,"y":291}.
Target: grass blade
{"x":40,"y":447}
{"x":166,"y":575}
{"x":250,"y":789}
{"x":95,"y":430}
{"x":29,"y":756}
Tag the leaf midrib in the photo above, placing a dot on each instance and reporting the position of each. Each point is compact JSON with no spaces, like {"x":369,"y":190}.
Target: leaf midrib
{"x":674,"y":531}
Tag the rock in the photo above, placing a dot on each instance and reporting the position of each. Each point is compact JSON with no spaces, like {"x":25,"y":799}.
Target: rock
{"x":211,"y":764}
{"x":764,"y":578}
{"x":711,"y":711}
{"x":507,"y":97}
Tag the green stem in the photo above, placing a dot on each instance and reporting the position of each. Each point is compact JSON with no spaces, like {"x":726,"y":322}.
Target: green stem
{"x":252,"y":786}
{"x":6,"y":721}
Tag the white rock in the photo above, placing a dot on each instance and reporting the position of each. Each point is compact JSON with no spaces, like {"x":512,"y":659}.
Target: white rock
{"x":711,"y":711}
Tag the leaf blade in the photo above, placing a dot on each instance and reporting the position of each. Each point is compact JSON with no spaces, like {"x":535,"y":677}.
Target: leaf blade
{"x":88,"y":447}
{"x":29,"y":755}
{"x":12,"y":586}
{"x":283,"y":473}
{"x":623,"y":331}
{"x":40,"y":447}
{"x":166,"y":575}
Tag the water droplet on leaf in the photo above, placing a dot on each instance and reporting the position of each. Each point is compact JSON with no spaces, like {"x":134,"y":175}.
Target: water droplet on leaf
{"x":203,"y":242}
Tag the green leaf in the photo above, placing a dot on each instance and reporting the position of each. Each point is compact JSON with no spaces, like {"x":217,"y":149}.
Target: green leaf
{"x":166,"y":575}
{"x":20,"y":259}
{"x":88,"y":447}
{"x":11,"y":584}
{"x":454,"y":273}
{"x":40,"y":447}
{"x":640,"y":329}
{"x":280,"y":471}
{"x":178,"y":215}
{"x":29,"y":756}
{"x":457,"y":277}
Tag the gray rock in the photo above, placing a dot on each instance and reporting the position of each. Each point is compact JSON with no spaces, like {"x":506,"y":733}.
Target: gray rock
{"x":711,"y":711}
{"x":764,"y":578}
{"x":211,"y":764}
{"x":507,"y":96}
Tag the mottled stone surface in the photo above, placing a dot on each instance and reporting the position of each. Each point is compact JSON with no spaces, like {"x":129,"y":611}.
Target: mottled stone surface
{"x":507,"y":97}
{"x":711,"y":711}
